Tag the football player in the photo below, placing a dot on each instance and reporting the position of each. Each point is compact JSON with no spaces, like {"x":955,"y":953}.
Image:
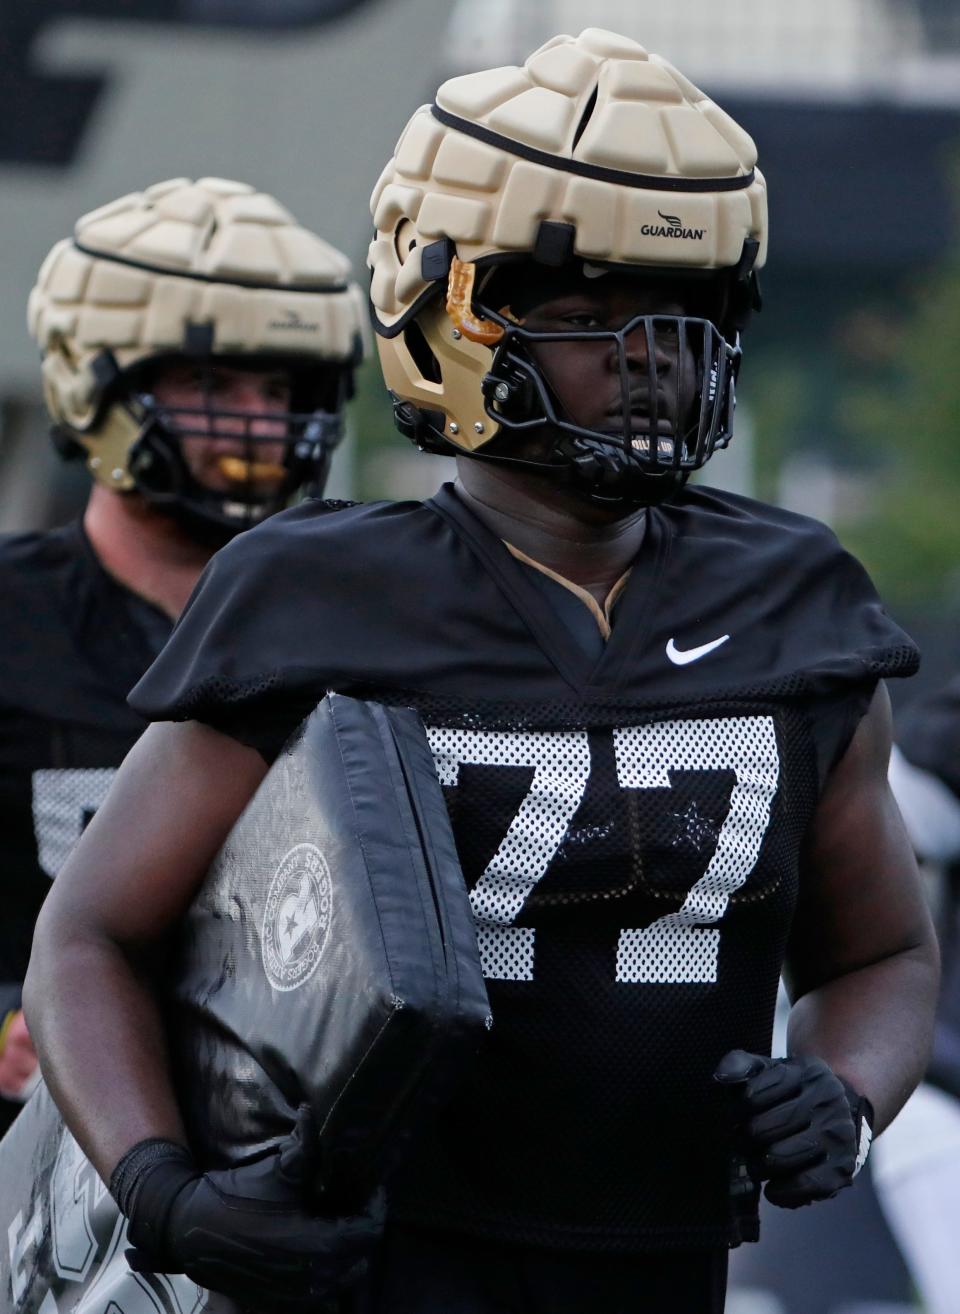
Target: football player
{"x":656,"y":710}
{"x":198,"y":347}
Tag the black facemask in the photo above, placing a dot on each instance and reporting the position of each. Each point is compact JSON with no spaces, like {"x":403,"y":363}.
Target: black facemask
{"x":656,"y":441}
{"x":253,"y":479}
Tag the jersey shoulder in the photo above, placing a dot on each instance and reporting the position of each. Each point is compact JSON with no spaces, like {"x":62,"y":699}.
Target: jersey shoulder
{"x":750,"y":523}
{"x":734,"y":547}
{"x":72,"y":647}
{"x":798,"y":608}
{"x":37,"y":575}
{"x":293,"y":605}
{"x":338,"y":537}
{"x":28,"y":557}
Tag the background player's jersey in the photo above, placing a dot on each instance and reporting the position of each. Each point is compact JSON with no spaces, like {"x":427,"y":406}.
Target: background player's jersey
{"x":630,"y":826}
{"x":73,"y":644}
{"x":929,"y":737}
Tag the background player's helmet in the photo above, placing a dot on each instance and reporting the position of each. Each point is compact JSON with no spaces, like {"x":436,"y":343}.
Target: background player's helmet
{"x":593,"y":152}
{"x":207,"y":272}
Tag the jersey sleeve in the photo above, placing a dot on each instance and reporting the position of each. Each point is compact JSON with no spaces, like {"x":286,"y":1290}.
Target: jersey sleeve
{"x":854,"y":645}
{"x":801,"y":613}
{"x":228,"y":662}
{"x":799,"y":616}
{"x":834,"y":720}
{"x":848,"y":644}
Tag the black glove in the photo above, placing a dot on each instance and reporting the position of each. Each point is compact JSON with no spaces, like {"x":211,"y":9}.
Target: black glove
{"x":804,"y":1130}
{"x":247,"y":1231}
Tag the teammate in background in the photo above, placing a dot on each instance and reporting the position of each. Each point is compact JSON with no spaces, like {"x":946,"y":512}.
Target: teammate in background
{"x":657,"y":710}
{"x":198,"y":349}
{"x":917,"y":1169}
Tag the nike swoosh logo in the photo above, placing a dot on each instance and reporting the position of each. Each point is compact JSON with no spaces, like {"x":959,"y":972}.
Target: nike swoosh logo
{"x":683,"y":657}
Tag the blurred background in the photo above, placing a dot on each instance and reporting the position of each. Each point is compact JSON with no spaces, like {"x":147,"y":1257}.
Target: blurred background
{"x":850,"y":397}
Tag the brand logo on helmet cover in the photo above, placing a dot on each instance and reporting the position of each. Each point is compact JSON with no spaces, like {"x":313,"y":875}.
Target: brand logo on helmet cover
{"x":296,"y":917}
{"x":294,"y":322}
{"x":672,"y":227}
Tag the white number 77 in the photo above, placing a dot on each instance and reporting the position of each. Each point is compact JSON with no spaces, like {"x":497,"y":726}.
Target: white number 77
{"x":676,"y":947}
{"x":561,"y":765}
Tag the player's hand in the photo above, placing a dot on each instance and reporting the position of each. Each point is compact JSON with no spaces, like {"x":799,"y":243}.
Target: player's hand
{"x":18,"y":1059}
{"x":804,"y":1129}
{"x":247,"y":1232}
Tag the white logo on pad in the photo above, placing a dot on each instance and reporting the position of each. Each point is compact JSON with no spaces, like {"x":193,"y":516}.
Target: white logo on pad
{"x":296,"y":917}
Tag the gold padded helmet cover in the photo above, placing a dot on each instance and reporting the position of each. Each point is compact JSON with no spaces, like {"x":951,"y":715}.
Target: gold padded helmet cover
{"x":592,"y":131}
{"x":142,"y":269}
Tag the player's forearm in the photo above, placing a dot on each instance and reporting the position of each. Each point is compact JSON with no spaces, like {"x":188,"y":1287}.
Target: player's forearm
{"x":874,"y":1026}
{"x":98,"y":1031}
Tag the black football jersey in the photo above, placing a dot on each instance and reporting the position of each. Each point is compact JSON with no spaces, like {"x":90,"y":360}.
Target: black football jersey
{"x":74,"y":643}
{"x":629,"y":822}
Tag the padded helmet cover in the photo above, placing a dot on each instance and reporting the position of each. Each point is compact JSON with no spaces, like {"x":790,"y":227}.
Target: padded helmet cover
{"x":142,"y":271}
{"x":591,"y":132}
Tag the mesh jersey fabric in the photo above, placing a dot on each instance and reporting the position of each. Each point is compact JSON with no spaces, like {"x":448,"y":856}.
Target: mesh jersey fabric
{"x":293,"y":609}
{"x":629,"y":828}
{"x":75,"y":642}
{"x":929,"y":736}
{"x":416,"y":1271}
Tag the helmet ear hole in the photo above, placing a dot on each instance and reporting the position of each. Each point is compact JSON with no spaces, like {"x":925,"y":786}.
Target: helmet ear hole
{"x":419,"y":349}
{"x":60,"y":344}
{"x":405,"y":240}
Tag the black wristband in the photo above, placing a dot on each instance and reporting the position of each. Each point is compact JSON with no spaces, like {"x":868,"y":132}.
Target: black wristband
{"x":128,"y":1174}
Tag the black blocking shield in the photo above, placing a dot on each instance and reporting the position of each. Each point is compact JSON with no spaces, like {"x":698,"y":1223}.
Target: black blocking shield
{"x":330,"y":957}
